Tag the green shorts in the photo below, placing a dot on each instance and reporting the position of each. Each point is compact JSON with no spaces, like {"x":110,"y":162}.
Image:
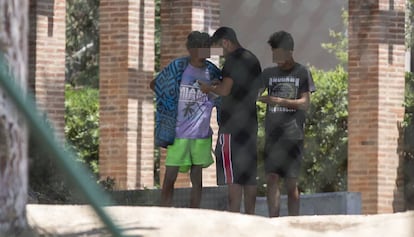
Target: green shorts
{"x":188,"y":152}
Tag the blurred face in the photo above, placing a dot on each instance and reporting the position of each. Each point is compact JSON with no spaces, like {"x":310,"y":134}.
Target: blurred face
{"x":217,"y":51}
{"x":221,"y":48}
{"x":199,"y":53}
{"x":281,"y":57}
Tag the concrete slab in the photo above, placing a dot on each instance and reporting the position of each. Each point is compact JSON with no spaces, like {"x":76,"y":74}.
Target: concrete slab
{"x":335,"y":203}
{"x":80,"y":220}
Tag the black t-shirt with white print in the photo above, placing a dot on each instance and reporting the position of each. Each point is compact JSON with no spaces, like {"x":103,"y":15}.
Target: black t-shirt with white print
{"x":283,"y":122}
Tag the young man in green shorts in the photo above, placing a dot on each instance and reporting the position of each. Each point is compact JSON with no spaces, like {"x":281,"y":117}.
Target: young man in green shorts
{"x":183,"y":116}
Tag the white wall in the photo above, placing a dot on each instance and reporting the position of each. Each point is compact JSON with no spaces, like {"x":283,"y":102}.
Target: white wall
{"x":309,"y":21}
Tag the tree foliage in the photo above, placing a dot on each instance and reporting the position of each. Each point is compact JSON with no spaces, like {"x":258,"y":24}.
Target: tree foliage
{"x":340,"y":45}
{"x":82,"y":42}
{"x":157,"y":37}
{"x":409,"y":26}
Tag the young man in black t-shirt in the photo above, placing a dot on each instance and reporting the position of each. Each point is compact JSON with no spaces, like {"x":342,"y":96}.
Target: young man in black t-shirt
{"x":236,"y":151}
{"x":287,"y":100}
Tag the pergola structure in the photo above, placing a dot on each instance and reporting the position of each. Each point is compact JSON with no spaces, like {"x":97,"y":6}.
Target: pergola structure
{"x":376,"y":86}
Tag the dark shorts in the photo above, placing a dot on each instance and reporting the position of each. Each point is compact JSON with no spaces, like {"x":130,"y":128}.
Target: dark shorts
{"x":236,"y":159}
{"x":283,"y":157}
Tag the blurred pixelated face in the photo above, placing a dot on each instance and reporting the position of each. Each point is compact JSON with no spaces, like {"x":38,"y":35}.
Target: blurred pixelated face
{"x":281,"y":56}
{"x":200,"y":53}
{"x":217,"y":51}
{"x":221,"y":47}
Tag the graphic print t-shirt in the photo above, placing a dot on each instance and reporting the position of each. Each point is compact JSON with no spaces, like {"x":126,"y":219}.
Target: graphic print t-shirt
{"x":194,"y":107}
{"x":290,"y":85}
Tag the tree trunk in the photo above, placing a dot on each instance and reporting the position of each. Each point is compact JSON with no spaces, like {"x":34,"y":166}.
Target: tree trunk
{"x":13,"y":131}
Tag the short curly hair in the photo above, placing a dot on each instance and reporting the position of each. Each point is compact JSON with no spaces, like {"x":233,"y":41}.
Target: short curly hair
{"x":197,"y":39}
{"x":281,"y":39}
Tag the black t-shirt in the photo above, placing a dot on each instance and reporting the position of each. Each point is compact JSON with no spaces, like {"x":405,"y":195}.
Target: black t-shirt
{"x":238,"y":109}
{"x":282,"y":121}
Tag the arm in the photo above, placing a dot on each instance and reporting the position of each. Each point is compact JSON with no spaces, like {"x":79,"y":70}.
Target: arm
{"x":302,"y":103}
{"x":222,"y":88}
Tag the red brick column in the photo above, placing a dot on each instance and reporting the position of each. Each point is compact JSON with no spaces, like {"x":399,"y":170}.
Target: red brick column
{"x":178,"y":19}
{"x":47,"y":58}
{"x":376,"y":95}
{"x":126,"y":150}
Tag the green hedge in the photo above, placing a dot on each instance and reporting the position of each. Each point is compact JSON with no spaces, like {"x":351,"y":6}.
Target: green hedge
{"x":82,"y":124}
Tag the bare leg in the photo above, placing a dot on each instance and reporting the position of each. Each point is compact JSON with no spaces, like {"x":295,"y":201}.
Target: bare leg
{"x":250,"y":192}
{"x":235,"y":197}
{"x":167,"y":191}
{"x":196,"y":185}
{"x":273,"y":194}
{"x":293,"y":196}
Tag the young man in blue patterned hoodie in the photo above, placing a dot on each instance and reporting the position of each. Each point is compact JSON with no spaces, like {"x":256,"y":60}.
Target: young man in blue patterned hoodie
{"x":183,"y":112}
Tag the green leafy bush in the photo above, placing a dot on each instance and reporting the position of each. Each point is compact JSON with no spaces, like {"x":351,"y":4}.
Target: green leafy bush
{"x":408,"y":128}
{"x":409,"y":97}
{"x":261,"y":180}
{"x":82,"y":124}
{"x":326,"y":142}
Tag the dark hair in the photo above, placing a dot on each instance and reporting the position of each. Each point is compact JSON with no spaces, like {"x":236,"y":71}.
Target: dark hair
{"x":197,"y":39}
{"x":224,"y":33}
{"x":281,"y":39}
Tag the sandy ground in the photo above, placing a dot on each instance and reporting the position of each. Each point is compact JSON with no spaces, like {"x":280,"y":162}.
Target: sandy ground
{"x":75,"y":220}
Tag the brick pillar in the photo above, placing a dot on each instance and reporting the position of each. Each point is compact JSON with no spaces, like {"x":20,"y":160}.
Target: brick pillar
{"x":126,"y":150}
{"x":47,"y":58}
{"x":178,"y":19}
{"x":376,"y":95}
